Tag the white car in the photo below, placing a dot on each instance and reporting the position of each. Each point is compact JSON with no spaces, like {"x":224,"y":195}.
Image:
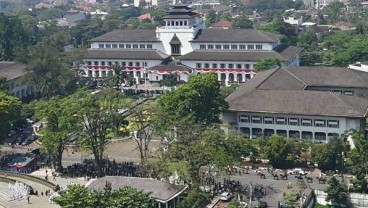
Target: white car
{"x":297,"y":171}
{"x":226,"y":196}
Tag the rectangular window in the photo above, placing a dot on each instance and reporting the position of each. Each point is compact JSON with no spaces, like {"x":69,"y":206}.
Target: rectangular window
{"x":207,"y":65}
{"x":250,"y":47}
{"x":199,"y":65}
{"x":238,"y":66}
{"x":102,"y":63}
{"x":108,"y":45}
{"x":242,"y":47}
{"x":114,"y":46}
{"x":293,"y":122}
{"x":121,"y":45}
{"x":256,"y":119}
{"x":130,"y":63}
{"x":306,"y":122}
{"x":218,"y":46}
{"x":214,"y":66}
{"x":202,"y":46}
{"x":128,"y":46}
{"x":234,"y":47}
{"x":123,"y":63}
{"x":319,"y":123}
{"x":149,"y":45}
{"x":268,"y":120}
{"x":101,"y":46}
{"x":244,"y":119}
{"x":142,"y":46}
{"x":280,"y":121}
{"x":231,"y":66}
{"x":89,"y":63}
{"x":247,"y":66}
{"x":109,"y":63}
{"x":222,"y":66}
{"x":137,"y":64}
{"x":209,"y":46}
{"x":333,"y":124}
{"x":226,"y":47}
{"x":258,"y":47}
{"x":348,"y":92}
{"x":135,"y":45}
{"x":96,"y":63}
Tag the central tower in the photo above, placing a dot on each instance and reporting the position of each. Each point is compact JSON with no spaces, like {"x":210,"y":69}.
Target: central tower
{"x":181,"y":26}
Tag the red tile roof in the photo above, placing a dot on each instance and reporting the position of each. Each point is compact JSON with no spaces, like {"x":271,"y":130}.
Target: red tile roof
{"x":222,"y":24}
{"x":146,"y":16}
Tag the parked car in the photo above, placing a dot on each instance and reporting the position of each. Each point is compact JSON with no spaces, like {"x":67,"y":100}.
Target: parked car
{"x":226,"y":196}
{"x":297,"y":171}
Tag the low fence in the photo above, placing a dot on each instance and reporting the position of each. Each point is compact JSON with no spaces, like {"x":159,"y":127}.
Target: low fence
{"x":357,"y":199}
{"x":29,"y":177}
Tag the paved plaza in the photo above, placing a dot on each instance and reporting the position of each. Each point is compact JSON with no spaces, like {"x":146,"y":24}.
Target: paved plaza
{"x":123,"y":150}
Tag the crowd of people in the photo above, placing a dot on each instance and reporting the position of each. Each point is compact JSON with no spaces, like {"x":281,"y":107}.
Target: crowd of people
{"x":111,"y":168}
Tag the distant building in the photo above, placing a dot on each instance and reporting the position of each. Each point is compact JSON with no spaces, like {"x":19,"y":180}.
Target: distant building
{"x":13,"y":72}
{"x":342,"y":25}
{"x":153,"y":3}
{"x":230,"y":53}
{"x":293,"y":20}
{"x":308,"y":103}
{"x":222,"y":24}
{"x":146,"y":16}
{"x":165,"y":195}
{"x":205,"y":2}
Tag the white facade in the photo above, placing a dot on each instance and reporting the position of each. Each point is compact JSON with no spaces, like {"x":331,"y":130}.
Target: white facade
{"x":177,"y":38}
{"x":359,"y":66}
{"x":315,"y":128}
{"x":294,"y":20}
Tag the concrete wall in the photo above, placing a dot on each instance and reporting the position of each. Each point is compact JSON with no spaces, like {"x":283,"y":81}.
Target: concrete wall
{"x":357,"y":199}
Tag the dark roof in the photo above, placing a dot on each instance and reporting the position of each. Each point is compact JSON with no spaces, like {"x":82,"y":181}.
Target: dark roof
{"x":179,"y":11}
{"x":171,"y":66}
{"x":283,"y":90}
{"x":158,"y":190}
{"x":12,"y":70}
{"x":233,"y":55}
{"x":140,"y":54}
{"x":329,"y":76}
{"x":175,"y":40}
{"x":237,"y":36}
{"x":300,"y":102}
{"x":135,"y":35}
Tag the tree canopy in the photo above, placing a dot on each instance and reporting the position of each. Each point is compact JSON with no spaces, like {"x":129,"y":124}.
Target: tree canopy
{"x":9,"y":110}
{"x":267,"y":63}
{"x":277,"y":150}
{"x":76,"y":196}
{"x":199,"y":99}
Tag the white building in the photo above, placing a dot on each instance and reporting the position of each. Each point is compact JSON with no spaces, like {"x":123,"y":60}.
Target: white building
{"x":360,"y":66}
{"x":153,"y":3}
{"x":294,"y":20}
{"x":231,"y":53}
{"x":13,"y":72}
{"x":303,"y":103}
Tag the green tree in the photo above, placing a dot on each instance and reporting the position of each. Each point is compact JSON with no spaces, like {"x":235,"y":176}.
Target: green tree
{"x":267,"y":63}
{"x":308,"y":40}
{"x":97,"y":114}
{"x":241,"y":22}
{"x":50,"y":70}
{"x":170,"y":80}
{"x":277,"y":150}
{"x":59,"y":114}
{"x":333,"y":11}
{"x":157,"y":15}
{"x":337,"y":192}
{"x":4,"y":85}
{"x":199,"y":99}
{"x":357,"y":161}
{"x":9,"y":108}
{"x":76,"y":196}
